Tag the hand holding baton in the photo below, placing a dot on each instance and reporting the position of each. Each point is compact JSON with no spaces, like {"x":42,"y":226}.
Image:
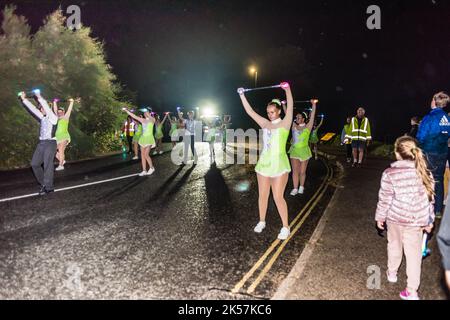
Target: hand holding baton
{"x":283,"y":85}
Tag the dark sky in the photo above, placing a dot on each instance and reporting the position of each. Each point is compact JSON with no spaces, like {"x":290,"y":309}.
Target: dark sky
{"x":190,"y":52}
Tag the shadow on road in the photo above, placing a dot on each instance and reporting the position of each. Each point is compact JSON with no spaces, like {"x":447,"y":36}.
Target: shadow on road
{"x":124,"y":188}
{"x":157,"y":194}
{"x":217,"y":193}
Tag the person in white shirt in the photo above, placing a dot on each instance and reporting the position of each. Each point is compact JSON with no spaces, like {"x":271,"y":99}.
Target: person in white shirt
{"x":42,"y":161}
{"x":191,"y":125}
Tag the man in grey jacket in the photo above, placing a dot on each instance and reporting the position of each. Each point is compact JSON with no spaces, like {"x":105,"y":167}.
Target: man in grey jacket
{"x":43,"y":157}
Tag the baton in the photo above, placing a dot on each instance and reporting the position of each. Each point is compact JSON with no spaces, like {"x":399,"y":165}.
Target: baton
{"x":262,"y":88}
{"x":284,"y":84}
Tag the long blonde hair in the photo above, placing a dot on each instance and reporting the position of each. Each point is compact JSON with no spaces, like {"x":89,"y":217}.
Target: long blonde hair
{"x":407,"y":148}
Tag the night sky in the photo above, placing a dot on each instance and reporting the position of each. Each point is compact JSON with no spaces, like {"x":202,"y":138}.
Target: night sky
{"x":194,"y":52}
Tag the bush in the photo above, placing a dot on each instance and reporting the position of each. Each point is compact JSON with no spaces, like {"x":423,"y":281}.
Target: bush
{"x":62,"y":63}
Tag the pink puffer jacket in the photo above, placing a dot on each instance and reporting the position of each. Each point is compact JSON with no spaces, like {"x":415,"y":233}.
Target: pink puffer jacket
{"x":403,"y":198}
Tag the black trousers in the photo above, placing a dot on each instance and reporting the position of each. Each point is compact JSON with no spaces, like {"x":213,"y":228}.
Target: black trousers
{"x":130,"y":144}
{"x":348,"y":148}
{"x":42,"y":163}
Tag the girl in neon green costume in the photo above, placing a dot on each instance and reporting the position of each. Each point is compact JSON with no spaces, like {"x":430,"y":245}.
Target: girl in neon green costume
{"x":273,"y":165}
{"x":210,"y":137}
{"x":174,"y":135}
{"x":314,"y":138}
{"x":137,"y":135}
{"x":146,"y":141}
{"x":62,"y":131}
{"x":300,"y":152}
{"x":159,"y":133}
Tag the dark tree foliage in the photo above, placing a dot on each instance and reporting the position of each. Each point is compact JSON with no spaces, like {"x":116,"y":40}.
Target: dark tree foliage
{"x":62,"y":63}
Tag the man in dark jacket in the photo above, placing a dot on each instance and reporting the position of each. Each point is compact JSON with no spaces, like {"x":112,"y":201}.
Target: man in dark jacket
{"x":433,"y":137}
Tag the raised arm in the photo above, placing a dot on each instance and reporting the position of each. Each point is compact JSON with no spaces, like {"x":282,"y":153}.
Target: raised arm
{"x":164,"y":119}
{"x":320,"y":123}
{"x":310,"y":124}
{"x":53,"y":118}
{"x":262,"y":122}
{"x":132,"y":115}
{"x":31,"y":108}
{"x":287,"y":121}
{"x":55,"y":106}
{"x":69,"y":110}
{"x":180,"y":115}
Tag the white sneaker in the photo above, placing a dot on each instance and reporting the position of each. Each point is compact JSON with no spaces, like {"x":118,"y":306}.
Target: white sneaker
{"x":301,"y":190}
{"x":59,"y":168}
{"x":284,"y":233}
{"x":150,"y":171}
{"x":161,"y":152}
{"x":154,"y":153}
{"x":294,"y":192}
{"x":391,"y":278}
{"x":143,"y":173}
{"x":135,"y":158}
{"x":260,"y":227}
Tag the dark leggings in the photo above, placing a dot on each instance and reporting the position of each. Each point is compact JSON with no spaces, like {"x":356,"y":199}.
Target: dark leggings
{"x":130,"y":144}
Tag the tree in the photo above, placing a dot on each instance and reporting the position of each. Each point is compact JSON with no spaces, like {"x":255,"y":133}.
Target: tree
{"x":63,"y":64}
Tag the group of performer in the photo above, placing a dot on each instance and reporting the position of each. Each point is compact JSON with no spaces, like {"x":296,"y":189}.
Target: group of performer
{"x":272,"y":169}
{"x":53,"y":137}
{"x":179,"y":127}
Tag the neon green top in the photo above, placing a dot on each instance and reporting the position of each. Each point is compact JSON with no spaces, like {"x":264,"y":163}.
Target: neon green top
{"x":147,"y":138}
{"x":314,"y":138}
{"x":159,"y":132}
{"x":211,"y":135}
{"x":173,"y":128}
{"x":137,"y":133}
{"x":62,"y":130}
{"x":300,"y":147}
{"x":273,"y":160}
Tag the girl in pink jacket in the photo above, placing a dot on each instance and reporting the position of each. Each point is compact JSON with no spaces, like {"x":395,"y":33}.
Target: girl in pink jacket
{"x":406,"y":205}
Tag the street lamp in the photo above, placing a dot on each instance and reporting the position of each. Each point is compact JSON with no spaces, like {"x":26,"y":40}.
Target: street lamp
{"x":254,"y":71}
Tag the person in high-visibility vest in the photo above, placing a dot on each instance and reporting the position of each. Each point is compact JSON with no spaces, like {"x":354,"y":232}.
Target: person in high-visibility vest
{"x":360,"y":135}
{"x":346,"y":141}
{"x":128,"y":131}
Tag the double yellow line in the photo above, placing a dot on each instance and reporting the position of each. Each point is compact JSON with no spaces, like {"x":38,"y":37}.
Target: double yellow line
{"x":294,"y":226}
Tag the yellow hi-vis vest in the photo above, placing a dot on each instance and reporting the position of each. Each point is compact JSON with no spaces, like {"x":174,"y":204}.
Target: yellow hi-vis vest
{"x":130,"y":127}
{"x":361,"y":133}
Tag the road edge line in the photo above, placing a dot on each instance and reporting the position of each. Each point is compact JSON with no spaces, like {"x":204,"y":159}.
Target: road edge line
{"x":299,"y":267}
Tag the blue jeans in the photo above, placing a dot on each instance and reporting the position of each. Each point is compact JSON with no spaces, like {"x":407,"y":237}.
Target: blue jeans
{"x":436,"y":163}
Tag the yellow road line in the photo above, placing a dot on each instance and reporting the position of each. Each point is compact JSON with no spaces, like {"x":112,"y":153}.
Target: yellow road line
{"x":275,"y":256}
{"x":258,"y":264}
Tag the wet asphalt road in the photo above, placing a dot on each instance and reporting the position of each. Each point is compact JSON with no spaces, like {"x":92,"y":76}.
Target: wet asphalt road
{"x":182,"y":233}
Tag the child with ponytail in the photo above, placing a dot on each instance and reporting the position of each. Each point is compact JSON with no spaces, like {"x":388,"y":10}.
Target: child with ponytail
{"x":406,"y":205}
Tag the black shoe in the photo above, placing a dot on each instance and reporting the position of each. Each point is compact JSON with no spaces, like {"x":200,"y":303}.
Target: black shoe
{"x":44,"y":191}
